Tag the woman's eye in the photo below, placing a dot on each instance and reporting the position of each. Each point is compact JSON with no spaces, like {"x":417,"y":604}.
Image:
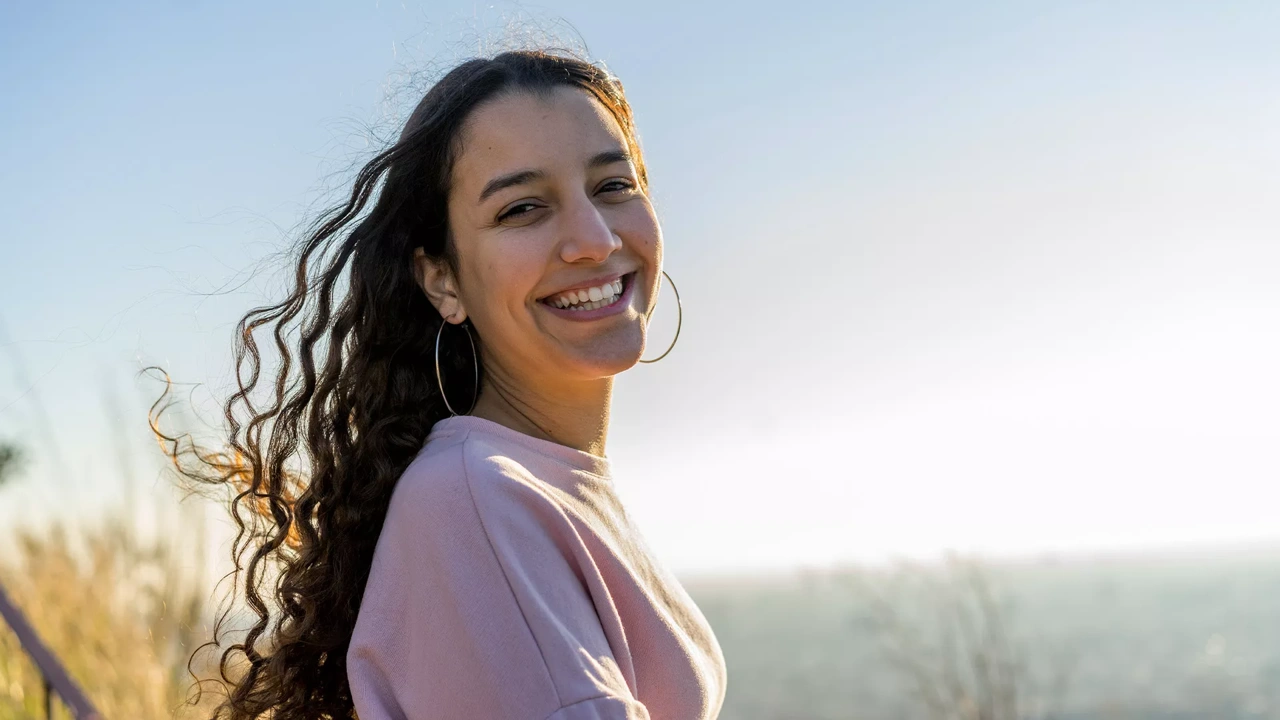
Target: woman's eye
{"x":616,"y":185}
{"x":517,"y":210}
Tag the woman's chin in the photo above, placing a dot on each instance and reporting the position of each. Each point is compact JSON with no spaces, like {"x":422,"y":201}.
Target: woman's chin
{"x":603,"y":358}
{"x":603,"y":354}
{"x":599,"y":365}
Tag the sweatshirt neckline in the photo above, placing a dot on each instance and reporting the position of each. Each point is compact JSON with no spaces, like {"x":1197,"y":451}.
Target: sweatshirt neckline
{"x":577,"y":459}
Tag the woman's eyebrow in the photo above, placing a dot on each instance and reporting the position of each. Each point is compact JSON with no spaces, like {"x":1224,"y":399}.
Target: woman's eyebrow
{"x":609,"y":157}
{"x":520,"y":177}
{"x":502,"y":182}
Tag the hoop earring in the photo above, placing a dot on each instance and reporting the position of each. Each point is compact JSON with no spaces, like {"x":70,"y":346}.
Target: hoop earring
{"x":440,"y":381}
{"x":679,"y":317}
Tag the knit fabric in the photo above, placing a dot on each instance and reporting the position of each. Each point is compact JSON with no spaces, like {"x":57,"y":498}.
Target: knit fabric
{"x":508,"y":583}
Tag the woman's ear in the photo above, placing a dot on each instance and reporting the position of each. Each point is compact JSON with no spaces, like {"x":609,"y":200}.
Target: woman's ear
{"x":437,"y":281}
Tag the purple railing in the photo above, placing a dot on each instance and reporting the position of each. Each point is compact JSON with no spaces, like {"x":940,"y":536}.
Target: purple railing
{"x":56,"y":679}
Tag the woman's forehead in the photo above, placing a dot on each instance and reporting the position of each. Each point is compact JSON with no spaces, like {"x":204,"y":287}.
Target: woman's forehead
{"x":564,"y":125}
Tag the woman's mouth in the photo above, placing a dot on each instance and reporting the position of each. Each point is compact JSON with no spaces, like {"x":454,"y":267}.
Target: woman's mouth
{"x":593,"y":302}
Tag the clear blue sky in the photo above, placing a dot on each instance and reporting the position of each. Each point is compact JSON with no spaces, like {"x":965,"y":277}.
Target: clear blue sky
{"x":993,"y":276}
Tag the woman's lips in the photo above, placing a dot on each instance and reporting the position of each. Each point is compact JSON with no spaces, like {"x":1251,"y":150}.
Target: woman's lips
{"x":597,"y":282}
{"x":620,"y":303}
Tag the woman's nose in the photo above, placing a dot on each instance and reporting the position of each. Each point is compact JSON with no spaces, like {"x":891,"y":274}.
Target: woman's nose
{"x":586,"y":234}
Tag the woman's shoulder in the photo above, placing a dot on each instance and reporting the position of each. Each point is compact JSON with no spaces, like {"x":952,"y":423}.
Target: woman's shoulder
{"x":469,"y":492}
{"x":470,"y":469}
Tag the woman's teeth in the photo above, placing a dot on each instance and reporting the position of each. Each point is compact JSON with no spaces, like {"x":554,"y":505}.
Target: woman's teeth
{"x":590,"y":298}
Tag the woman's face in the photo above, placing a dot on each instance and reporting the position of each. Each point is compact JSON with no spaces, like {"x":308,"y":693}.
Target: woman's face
{"x":559,"y":250}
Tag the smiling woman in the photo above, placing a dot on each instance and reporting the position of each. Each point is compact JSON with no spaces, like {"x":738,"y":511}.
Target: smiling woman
{"x":434,"y":565}
{"x":547,"y":208}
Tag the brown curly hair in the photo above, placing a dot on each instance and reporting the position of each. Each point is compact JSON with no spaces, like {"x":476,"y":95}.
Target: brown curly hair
{"x":310,"y":476}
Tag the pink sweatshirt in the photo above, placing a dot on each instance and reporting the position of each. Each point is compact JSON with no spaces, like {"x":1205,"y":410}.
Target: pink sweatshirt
{"x":508,"y":583}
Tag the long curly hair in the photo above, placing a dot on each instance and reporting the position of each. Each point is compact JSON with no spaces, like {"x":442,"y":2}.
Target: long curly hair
{"x":310,"y":475}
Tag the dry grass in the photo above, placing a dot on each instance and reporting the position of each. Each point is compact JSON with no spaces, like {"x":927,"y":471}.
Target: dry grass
{"x":122,"y":613}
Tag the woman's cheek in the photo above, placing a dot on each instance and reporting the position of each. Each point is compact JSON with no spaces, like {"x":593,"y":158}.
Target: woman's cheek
{"x":640,"y":225}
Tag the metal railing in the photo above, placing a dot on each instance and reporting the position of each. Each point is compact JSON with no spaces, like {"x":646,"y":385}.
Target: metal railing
{"x":56,"y":679}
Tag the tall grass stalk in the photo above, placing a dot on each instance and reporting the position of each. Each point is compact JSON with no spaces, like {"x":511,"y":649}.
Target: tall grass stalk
{"x":122,"y":599}
{"x":122,"y":614}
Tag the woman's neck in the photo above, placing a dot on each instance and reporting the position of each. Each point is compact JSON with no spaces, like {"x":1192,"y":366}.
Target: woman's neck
{"x":579,"y":420}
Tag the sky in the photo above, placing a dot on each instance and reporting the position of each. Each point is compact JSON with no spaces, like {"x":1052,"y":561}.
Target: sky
{"x":994,"y":277}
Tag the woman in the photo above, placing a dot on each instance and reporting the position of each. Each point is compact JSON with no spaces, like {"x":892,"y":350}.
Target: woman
{"x":455,"y":548}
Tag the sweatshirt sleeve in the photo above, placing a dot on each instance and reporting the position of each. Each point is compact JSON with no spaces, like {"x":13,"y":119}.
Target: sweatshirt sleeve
{"x":474,"y":609}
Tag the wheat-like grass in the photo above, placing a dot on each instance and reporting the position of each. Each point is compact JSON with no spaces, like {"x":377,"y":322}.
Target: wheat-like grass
{"x":120,"y":613}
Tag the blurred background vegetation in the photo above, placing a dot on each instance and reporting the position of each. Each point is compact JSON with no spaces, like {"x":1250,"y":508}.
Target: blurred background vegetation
{"x":122,"y":611}
{"x":1174,"y":637}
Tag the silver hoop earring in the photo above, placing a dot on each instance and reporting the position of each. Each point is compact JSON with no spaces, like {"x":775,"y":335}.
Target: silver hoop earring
{"x":440,"y":380}
{"x":679,"y":317}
